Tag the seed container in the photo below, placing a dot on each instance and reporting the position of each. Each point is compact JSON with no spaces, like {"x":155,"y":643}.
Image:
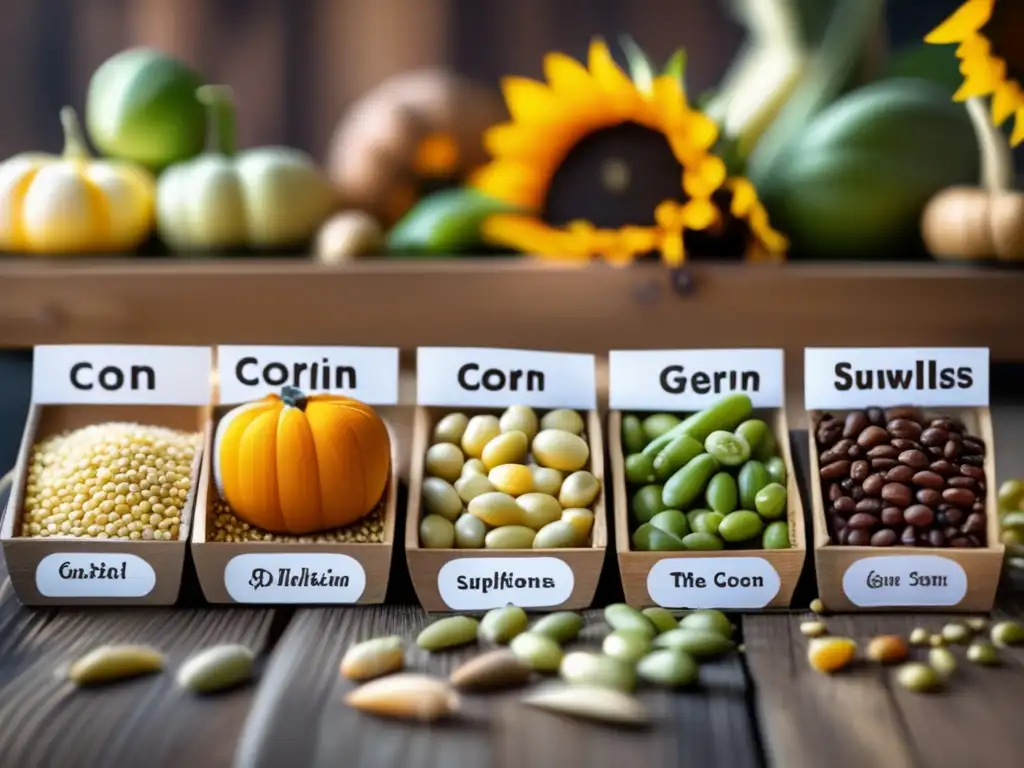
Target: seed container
{"x":900,"y":578}
{"x":457,"y":580}
{"x":91,"y":571}
{"x":748,"y":579}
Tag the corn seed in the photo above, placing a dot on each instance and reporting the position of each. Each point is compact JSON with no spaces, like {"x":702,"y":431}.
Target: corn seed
{"x":373,"y":658}
{"x":217,"y":668}
{"x":491,"y":671}
{"x":920,"y":678}
{"x":115,"y":662}
{"x":813,"y":628}
{"x":407,"y":696}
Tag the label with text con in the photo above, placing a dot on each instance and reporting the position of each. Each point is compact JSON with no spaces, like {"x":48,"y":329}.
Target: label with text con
{"x":497,"y":378}
{"x":713,"y":582}
{"x":481,"y":583}
{"x":307,"y":578}
{"x":94,"y":574}
{"x":905,"y":580}
{"x":893,"y":376}
{"x":120,"y":374}
{"x":368,"y":374}
{"x":692,"y":379}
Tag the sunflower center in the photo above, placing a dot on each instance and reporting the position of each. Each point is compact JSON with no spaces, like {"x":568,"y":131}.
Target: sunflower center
{"x":613,"y":178}
{"x":1005,"y":30}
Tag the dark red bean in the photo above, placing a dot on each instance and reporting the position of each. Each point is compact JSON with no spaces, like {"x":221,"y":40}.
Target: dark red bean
{"x":976,"y":540}
{"x":935,"y":451}
{"x":883,"y":452}
{"x":900,"y":474}
{"x":897,"y":494}
{"x":937,"y":538}
{"x":844,"y":505}
{"x":876,"y":416}
{"x":963,"y":482}
{"x":928,"y":479}
{"x":836,"y":452}
{"x":974,"y":461}
{"x":905,"y":445}
{"x":904,"y":429}
{"x":859,"y":538}
{"x":870,"y":505}
{"x":943,"y":467}
{"x":873,"y":485}
{"x":959,"y":496}
{"x":893,"y":516}
{"x":856,"y":422}
{"x":953,"y":515}
{"x":946,"y":423}
{"x":883,"y":464}
{"x":862,"y":520}
{"x":973,"y":445}
{"x":859,"y":470}
{"x":970,"y":471}
{"x":919,"y":515}
{"x":835,"y":490}
{"x":933,"y":437}
{"x":905,"y":412}
{"x":883,"y":538}
{"x":909,"y":537}
{"x":828,"y":432}
{"x":974,"y":523}
{"x":872,"y":436}
{"x":951,"y":450}
{"x":914,"y":459}
{"x":960,"y":542}
{"x":929,"y":496}
{"x":835,"y":470}
{"x":854,"y":452}
{"x":858,"y":494}
{"x":951,"y":531}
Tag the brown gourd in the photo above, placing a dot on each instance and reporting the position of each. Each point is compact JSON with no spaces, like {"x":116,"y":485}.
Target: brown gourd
{"x":414,"y":131}
{"x":974,"y":223}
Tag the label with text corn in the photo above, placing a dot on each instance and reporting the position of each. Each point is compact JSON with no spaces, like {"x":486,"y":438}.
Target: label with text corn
{"x":692,"y":379}
{"x":482,"y":377}
{"x":905,"y":580}
{"x":481,"y":583}
{"x":308,"y":578}
{"x":94,"y":574}
{"x":368,"y":374}
{"x":713,"y":582}
{"x":884,"y":377}
{"x":120,"y":374}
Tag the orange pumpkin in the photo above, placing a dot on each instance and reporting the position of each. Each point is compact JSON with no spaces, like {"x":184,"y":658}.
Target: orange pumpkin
{"x":296,"y":464}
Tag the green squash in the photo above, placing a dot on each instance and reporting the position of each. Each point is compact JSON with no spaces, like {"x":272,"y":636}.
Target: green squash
{"x":855,"y":183}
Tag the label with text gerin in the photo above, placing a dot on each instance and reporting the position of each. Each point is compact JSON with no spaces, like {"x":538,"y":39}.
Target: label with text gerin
{"x":692,"y":379}
{"x":497,"y":378}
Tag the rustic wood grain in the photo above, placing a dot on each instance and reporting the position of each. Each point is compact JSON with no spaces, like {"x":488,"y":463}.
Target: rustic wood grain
{"x":299,"y":716}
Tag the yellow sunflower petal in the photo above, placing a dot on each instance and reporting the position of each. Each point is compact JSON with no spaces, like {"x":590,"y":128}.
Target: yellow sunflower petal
{"x":977,"y":85}
{"x":513,"y":142}
{"x":673,"y":254}
{"x":668,"y":101}
{"x":1004,"y":103}
{"x":512,"y":182}
{"x":699,"y":214}
{"x":573,"y":84}
{"x":704,"y":176}
{"x":968,"y":18}
{"x":973,"y":48}
{"x":531,"y":102}
{"x":744,"y":196}
{"x":623,"y":97}
{"x":762,"y":230}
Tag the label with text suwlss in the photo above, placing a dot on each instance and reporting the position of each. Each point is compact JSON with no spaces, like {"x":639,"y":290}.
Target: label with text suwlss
{"x":713,"y":582}
{"x":481,"y":583}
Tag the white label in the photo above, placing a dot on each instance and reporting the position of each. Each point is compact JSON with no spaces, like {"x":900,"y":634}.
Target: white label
{"x":691,"y":379}
{"x":120,"y":374}
{"x":369,"y":374}
{"x":305,"y":578}
{"x":94,"y":574}
{"x":904,"y":580}
{"x":498,"y":378}
{"x":480,"y":583}
{"x":713,"y":582}
{"x":891,"y":376}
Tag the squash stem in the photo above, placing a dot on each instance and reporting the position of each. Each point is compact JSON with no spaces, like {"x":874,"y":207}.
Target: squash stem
{"x":219,"y":101}
{"x":996,"y":160}
{"x":75,"y":147}
{"x":293,"y":397}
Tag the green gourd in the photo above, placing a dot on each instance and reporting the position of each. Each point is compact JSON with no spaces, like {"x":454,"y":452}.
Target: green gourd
{"x":262,"y":198}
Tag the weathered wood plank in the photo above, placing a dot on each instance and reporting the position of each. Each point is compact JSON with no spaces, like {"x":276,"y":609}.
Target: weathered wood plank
{"x":299,"y":716}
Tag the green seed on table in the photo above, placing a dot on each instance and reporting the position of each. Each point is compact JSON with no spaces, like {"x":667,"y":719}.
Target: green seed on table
{"x":592,"y":703}
{"x":639,"y":469}
{"x":445,"y":460}
{"x":510,"y":537}
{"x":730,"y":450}
{"x":215,"y":669}
{"x":776,"y":535}
{"x":627,"y":645}
{"x":650,"y":538}
{"x":657,"y":424}
{"x":919,"y":636}
{"x":817,"y":606}
{"x":976,"y":623}
{"x":583,"y":668}
{"x":407,"y":696}
{"x":622,"y":616}
{"x":721,"y":493}
{"x":956,"y":633}
{"x":1007,"y":633}
{"x":491,"y":671}
{"x":449,"y":632}
{"x":936,"y":641}
{"x":557,"y":535}
{"x":579,"y":490}
{"x":547,"y":480}
{"x":437,"y":532}
{"x":561,"y":626}
{"x":942,"y":660}
{"x":470,"y":532}
{"x":540,"y":652}
{"x":984,"y":653}
{"x":699,"y":643}
{"x":500,"y":625}
{"x":671,"y":521}
{"x":708,"y":619}
{"x":373,"y":658}
{"x":520,"y":418}
{"x":662,"y":619}
{"x":451,"y":428}
{"x":647,"y":503}
{"x":813,"y":628}
{"x":633,"y":437}
{"x":441,"y":498}
{"x":538,"y":509}
{"x":564,"y":419}
{"x":770,"y":501}
{"x":920,"y":678}
{"x":702,"y":542}
{"x":776,"y":468}
{"x":741,"y":525}
{"x":670,"y":667}
{"x":115,"y":662}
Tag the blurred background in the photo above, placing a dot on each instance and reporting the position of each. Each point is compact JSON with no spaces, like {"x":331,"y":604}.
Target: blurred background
{"x":296,"y":64}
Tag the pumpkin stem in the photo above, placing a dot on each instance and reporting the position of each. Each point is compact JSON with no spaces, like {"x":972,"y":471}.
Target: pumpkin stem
{"x":75,"y":147}
{"x":219,"y":101}
{"x":293,"y":397}
{"x":996,"y":158}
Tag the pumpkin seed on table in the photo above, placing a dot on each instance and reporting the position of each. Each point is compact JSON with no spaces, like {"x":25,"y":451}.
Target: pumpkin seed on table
{"x":108,"y":663}
{"x":513,"y":479}
{"x":441,"y":498}
{"x":982,"y":652}
{"x":547,"y":480}
{"x":920,"y":678}
{"x":500,"y":625}
{"x":813,"y":628}
{"x":557,"y":535}
{"x":539,"y":651}
{"x":506,"y":448}
{"x":373,"y":658}
{"x":480,"y":430}
{"x":1007,"y":633}
{"x":563,"y":419}
{"x":407,"y":695}
{"x":491,"y":671}
{"x":626,"y":617}
{"x":437,"y":532}
{"x":538,"y":509}
{"x":520,"y":418}
{"x":579,"y":490}
{"x":954,"y":632}
{"x":662,"y":619}
{"x":669,"y":667}
{"x":561,"y":626}
{"x":217,"y":668}
{"x":470,"y":532}
{"x":560,"y":450}
{"x":449,"y":632}
{"x":510,"y":537}
{"x":444,"y":460}
{"x":592,"y":703}
{"x":942,"y":661}
{"x":584,"y":668}
{"x":627,"y":645}
{"x":451,"y":428}
{"x":919,"y":636}
{"x":699,"y":643}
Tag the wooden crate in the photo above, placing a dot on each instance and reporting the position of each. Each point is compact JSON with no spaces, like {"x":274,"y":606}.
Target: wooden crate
{"x":982,"y":566}
{"x":156,"y":565}
{"x":425,"y":564}
{"x":218,"y":563}
{"x":635,"y":567}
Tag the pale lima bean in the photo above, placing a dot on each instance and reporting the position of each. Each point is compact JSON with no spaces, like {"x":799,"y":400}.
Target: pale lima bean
{"x":448,"y":632}
{"x":491,"y":671}
{"x":474,"y":467}
{"x":115,"y":662}
{"x":560,"y":450}
{"x":437,"y":532}
{"x":564,"y":419}
{"x":479,"y":432}
{"x":406,"y":695}
{"x":470,"y":532}
{"x":216,"y":669}
{"x":373,"y":658}
{"x":444,"y":460}
{"x":496,"y":509}
{"x":451,"y":428}
{"x":583,"y":668}
{"x":519,"y":418}
{"x":441,"y":498}
{"x":592,"y":703}
{"x":500,"y":625}
{"x":582,"y":521}
{"x":510,"y":537}
{"x":561,"y":626}
{"x":539,"y":651}
{"x":579,"y":490}
{"x":538,"y":509}
{"x":506,"y":448}
{"x":513,"y":479}
{"x":471,"y":485}
{"x":547,"y":480}
{"x":556,"y":535}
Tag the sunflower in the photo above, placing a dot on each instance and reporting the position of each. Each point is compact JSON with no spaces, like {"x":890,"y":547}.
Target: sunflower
{"x":597,"y":165}
{"x":989,"y":33}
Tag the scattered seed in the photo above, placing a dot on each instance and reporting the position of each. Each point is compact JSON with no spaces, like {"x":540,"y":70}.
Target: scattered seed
{"x":583,"y":668}
{"x":936,"y":641}
{"x":956,"y":633}
{"x":449,"y":632}
{"x":984,"y":653}
{"x":813,"y":628}
{"x":1007,"y":633}
{"x":628,"y":645}
{"x":592,"y":703}
{"x":887,"y":649}
{"x":662,"y":619}
{"x":500,"y":625}
{"x":830,"y":654}
{"x":216,"y":668}
{"x":540,"y":652}
{"x":669,"y":667}
{"x":817,"y":606}
{"x":373,"y":658}
{"x":943,"y":661}
{"x":491,"y":671}
{"x":920,"y":678}
{"x":919,"y":636}
{"x":622,"y":616}
{"x":741,"y":648}
{"x":405,"y":695}
{"x":561,"y":626}
{"x":710,"y":620}
{"x":978,"y":624}
{"x":699,"y":643}
{"x":115,"y":662}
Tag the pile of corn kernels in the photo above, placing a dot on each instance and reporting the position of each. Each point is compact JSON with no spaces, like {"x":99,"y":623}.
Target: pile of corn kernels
{"x":114,"y":480}
{"x":225,"y":526}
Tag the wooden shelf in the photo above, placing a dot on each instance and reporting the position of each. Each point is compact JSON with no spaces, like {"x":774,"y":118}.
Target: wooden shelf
{"x":476,"y":302}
